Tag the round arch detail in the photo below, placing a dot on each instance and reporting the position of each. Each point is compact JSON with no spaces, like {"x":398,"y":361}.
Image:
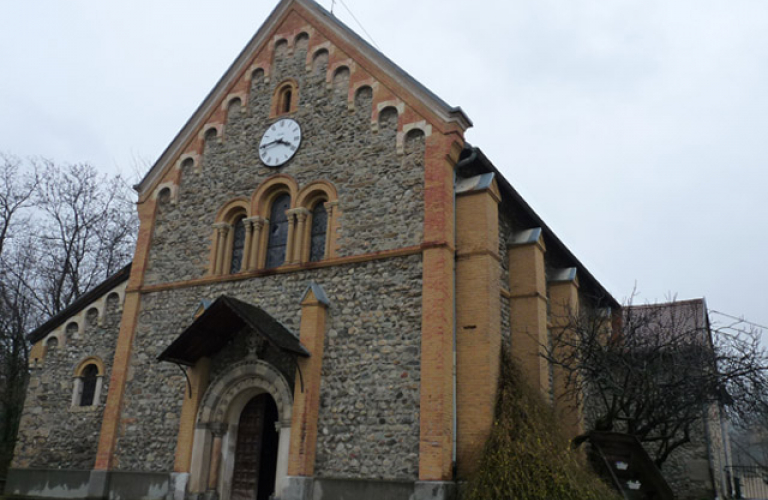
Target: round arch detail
{"x":232,"y":390}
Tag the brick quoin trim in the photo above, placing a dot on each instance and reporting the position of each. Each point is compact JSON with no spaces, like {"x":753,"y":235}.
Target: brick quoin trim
{"x":478,"y":322}
{"x":436,"y":424}
{"x":121,"y":363}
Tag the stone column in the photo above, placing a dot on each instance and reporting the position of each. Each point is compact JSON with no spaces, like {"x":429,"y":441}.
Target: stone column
{"x":213,"y":473}
{"x":78,"y":390}
{"x":248,"y":242}
{"x":301,"y":230}
{"x":331,"y":207}
{"x":564,"y":307}
{"x":291,"y":236}
{"x":97,"y":390}
{"x":222,"y":229}
{"x":229,"y":241}
{"x":201,"y":460}
{"x":254,"y":262}
{"x":528,"y":306}
{"x":283,"y":451}
{"x":214,"y":251}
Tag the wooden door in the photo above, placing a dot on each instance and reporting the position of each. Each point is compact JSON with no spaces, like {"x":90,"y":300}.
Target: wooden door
{"x":245,"y":478}
{"x":256,"y":450}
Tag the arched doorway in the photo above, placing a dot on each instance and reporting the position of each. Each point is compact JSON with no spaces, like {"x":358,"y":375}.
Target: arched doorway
{"x":255,"y":464}
{"x":217,"y":433}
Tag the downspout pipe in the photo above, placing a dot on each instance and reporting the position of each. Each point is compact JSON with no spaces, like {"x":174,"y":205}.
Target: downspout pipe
{"x":461,"y":163}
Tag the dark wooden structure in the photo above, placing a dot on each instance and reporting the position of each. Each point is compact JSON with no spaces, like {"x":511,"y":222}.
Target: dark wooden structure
{"x":622,"y":461}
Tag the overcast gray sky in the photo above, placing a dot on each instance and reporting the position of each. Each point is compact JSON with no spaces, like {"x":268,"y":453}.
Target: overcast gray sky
{"x":637,"y":129}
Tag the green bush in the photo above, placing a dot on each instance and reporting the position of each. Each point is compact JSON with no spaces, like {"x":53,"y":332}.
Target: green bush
{"x":526,"y":457}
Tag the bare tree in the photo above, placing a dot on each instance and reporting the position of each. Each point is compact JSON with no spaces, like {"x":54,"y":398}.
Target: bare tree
{"x":17,"y":188}
{"x":652,"y":371}
{"x":86,"y":226}
{"x":63,"y":229}
{"x":18,"y":184}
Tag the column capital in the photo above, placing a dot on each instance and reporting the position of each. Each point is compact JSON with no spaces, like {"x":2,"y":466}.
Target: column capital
{"x":218,"y":429}
{"x":297,"y":211}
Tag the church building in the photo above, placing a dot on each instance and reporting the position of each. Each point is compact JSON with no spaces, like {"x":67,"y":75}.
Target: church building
{"x":325,"y":275}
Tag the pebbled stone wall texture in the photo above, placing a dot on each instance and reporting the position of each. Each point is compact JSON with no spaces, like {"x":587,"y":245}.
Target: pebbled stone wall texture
{"x":369,"y":419}
{"x":53,"y":433}
{"x":380,"y":191}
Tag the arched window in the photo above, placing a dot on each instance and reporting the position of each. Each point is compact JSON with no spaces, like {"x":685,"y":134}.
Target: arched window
{"x":88,"y":383}
{"x":318,"y":232}
{"x":112,"y":305}
{"x":231,"y":232}
{"x":92,"y":317}
{"x":52,"y":343}
{"x":90,"y":377}
{"x":285,"y":99}
{"x":71,"y":330}
{"x":238,"y":245}
{"x":278,"y":231}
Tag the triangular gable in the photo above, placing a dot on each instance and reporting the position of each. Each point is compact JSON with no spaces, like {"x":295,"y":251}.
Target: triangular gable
{"x":219,"y":324}
{"x":395,"y":80}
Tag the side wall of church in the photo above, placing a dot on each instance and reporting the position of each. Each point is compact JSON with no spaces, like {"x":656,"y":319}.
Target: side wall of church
{"x":696,"y":469}
{"x":53,"y":432}
{"x":369,"y":418}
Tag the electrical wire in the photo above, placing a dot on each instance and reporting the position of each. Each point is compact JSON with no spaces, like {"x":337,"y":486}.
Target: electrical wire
{"x":359,"y":24}
{"x":739,"y":319}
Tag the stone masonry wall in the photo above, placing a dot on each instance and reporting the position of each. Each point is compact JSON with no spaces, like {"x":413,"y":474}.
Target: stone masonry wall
{"x":380,"y":191}
{"x":53,"y":433}
{"x":371,"y":376}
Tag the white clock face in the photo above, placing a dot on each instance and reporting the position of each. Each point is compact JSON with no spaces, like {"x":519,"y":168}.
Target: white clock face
{"x":280,"y":142}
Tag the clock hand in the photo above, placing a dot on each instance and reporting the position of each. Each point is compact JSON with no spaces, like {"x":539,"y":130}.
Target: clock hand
{"x":276,"y":141}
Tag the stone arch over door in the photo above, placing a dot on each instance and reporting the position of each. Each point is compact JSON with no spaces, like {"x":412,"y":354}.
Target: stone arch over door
{"x":213,"y":452}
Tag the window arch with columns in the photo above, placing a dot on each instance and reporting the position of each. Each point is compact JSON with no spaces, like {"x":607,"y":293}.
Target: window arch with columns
{"x":273,"y":204}
{"x":88,"y":383}
{"x":318,"y":204}
{"x":280,"y":225}
{"x":231,"y":235}
{"x":286,"y":98}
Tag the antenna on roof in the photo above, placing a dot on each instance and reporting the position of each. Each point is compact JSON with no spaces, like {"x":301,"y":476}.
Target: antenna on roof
{"x":358,"y":22}
{"x":333,"y":4}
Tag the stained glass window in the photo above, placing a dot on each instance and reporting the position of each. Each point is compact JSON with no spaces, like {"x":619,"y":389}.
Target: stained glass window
{"x":278,"y":231}
{"x":238,"y":246}
{"x":319,"y":229}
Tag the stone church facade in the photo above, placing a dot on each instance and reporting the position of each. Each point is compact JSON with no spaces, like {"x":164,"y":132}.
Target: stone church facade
{"x":324,"y":278}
